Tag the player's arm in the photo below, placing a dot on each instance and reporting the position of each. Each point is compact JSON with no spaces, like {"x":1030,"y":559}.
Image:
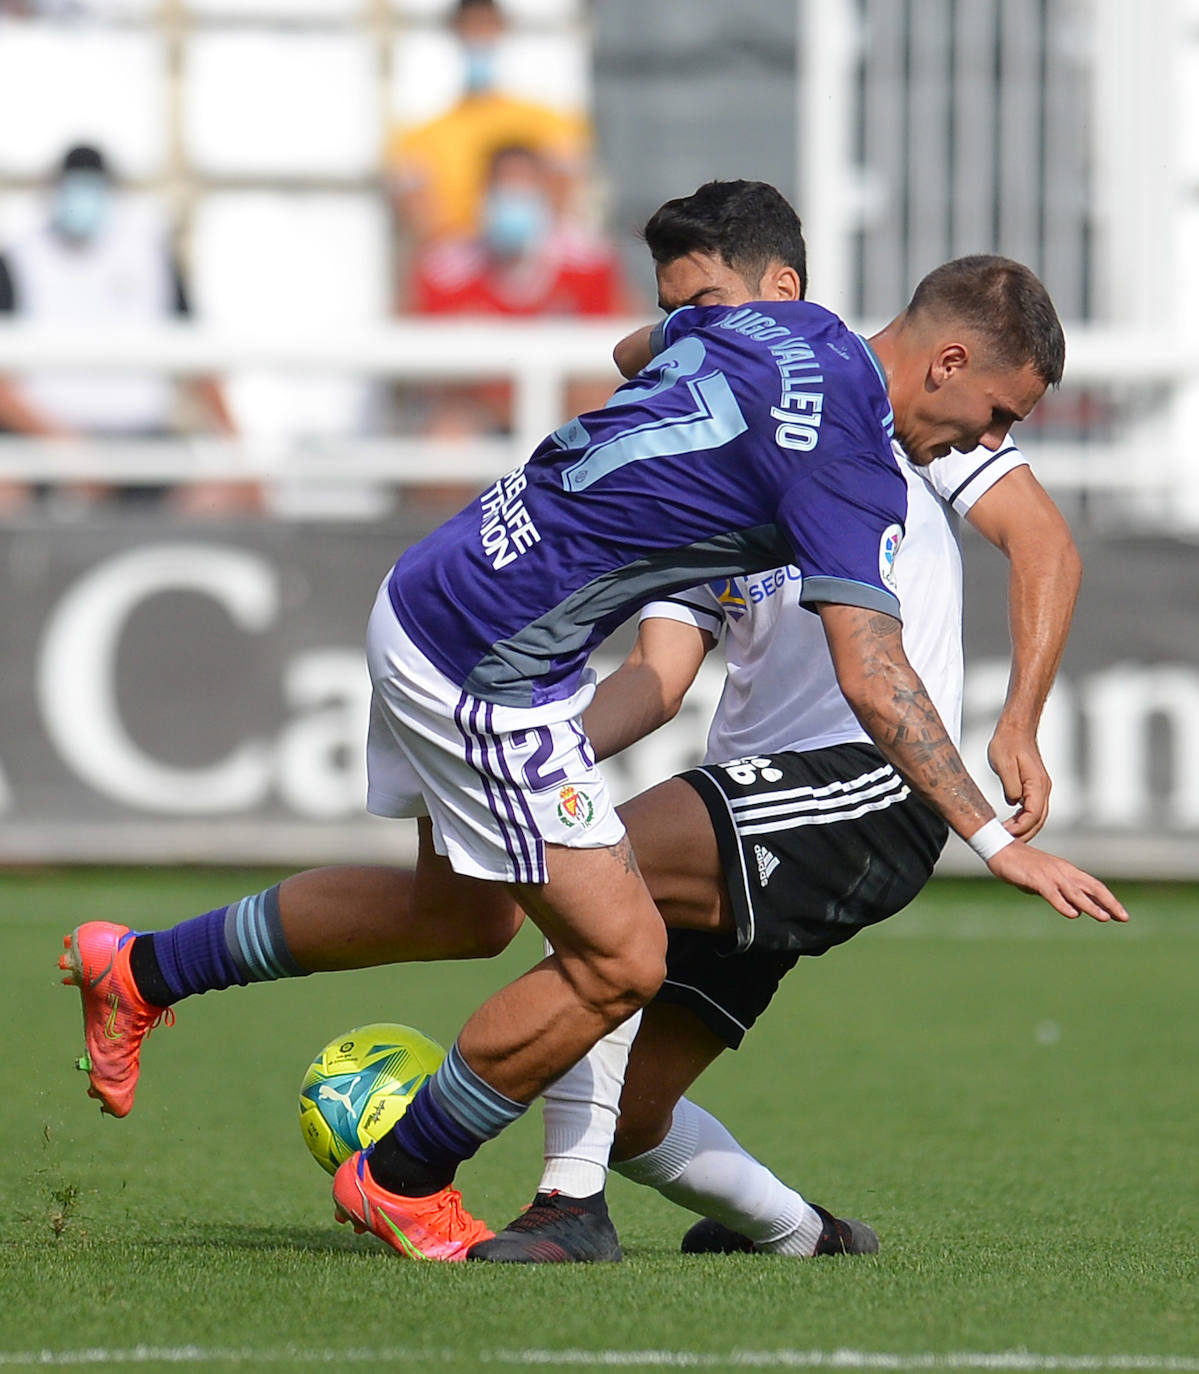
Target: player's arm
{"x":895,"y":710}
{"x":1018,"y":516}
{"x":634,"y":351}
{"x":638,"y":349}
{"x":648,"y":688}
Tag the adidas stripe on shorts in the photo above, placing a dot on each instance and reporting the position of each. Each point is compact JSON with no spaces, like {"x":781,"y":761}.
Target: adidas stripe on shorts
{"x":815,"y":846}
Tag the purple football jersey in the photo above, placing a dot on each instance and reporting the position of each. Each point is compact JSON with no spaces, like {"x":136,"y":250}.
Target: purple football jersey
{"x":759,"y":436}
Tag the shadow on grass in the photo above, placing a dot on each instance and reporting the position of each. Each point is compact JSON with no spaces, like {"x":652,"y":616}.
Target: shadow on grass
{"x":36,"y":1235}
{"x":299,"y":1239}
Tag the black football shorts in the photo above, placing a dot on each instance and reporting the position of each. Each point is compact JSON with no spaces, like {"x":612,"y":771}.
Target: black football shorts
{"x":815,"y":846}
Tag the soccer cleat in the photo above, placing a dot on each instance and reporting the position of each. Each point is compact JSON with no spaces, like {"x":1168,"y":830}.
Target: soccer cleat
{"x":844,"y":1237}
{"x":116,"y":1017}
{"x":436,"y":1227}
{"x":838,"y":1237}
{"x":553,"y":1230}
{"x":710,"y":1237}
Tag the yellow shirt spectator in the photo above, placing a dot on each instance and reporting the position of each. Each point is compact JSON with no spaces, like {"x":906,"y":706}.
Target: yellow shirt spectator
{"x":438,"y":171}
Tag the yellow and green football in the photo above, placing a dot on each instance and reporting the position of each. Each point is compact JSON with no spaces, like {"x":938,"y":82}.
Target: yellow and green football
{"x":360,"y":1085}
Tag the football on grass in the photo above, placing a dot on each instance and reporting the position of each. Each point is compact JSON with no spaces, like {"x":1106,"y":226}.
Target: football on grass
{"x":360,"y":1085}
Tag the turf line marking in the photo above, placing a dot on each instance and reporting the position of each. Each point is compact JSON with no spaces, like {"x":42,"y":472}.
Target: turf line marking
{"x":611,"y":1359}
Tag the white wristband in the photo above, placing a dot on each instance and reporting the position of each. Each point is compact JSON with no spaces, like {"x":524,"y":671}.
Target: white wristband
{"x":989,"y":839}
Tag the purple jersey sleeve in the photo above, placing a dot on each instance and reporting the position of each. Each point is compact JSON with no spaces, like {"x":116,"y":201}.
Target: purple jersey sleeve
{"x":845,"y":527}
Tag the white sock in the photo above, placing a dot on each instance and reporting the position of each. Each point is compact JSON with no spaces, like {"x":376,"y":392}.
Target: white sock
{"x":701,"y":1167}
{"x":580,"y":1112}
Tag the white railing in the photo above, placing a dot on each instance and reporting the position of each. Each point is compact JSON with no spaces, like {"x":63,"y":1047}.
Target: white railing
{"x":538,"y":357}
{"x":1154,"y":451}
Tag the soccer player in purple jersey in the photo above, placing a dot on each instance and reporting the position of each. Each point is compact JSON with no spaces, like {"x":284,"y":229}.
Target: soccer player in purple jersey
{"x":756,"y":438}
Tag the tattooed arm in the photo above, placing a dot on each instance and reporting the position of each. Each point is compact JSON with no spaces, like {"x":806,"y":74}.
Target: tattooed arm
{"x":896,"y":712}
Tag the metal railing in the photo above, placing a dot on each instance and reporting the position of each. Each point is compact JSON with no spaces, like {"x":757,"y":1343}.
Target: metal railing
{"x":1150,"y":446}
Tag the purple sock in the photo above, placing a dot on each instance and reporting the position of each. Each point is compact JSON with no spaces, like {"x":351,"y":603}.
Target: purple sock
{"x":229,"y":947}
{"x":446,"y":1122}
{"x":194,"y":957}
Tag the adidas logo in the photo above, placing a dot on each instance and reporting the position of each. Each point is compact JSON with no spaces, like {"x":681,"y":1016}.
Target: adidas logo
{"x":767,"y":863}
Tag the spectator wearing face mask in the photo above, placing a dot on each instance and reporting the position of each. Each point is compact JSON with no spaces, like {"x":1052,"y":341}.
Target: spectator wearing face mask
{"x":99,"y":261}
{"x":526,"y":258}
{"x":526,"y":261}
{"x":437,"y":172}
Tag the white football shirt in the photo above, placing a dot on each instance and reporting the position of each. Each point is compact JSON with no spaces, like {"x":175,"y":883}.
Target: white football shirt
{"x":123,"y":279}
{"x":780,"y":690}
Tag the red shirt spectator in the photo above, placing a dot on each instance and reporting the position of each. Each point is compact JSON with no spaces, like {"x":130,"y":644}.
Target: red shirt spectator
{"x":570,"y":273}
{"x":525,"y":261}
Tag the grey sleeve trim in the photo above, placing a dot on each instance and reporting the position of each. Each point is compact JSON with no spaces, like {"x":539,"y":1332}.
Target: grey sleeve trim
{"x":843,"y":591}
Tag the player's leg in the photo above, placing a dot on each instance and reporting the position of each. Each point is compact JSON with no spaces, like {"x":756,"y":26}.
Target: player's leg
{"x":568,"y":1220}
{"x":608,"y":945}
{"x":351,"y":918}
{"x":814,"y":847}
{"x":607,"y":960}
{"x":515,"y":795}
{"x":326,"y":919}
{"x":713,"y":865}
{"x":667,"y":1142}
{"x":676,"y":851}
{"x":347,"y":917}
{"x":322,"y":919}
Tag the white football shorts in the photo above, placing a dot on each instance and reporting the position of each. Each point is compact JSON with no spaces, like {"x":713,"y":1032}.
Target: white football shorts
{"x":499,"y":783}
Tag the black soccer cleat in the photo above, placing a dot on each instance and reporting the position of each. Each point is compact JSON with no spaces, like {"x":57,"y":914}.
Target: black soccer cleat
{"x":710,"y":1237}
{"x":838,"y":1237}
{"x":554,"y":1230}
{"x":843,"y":1237}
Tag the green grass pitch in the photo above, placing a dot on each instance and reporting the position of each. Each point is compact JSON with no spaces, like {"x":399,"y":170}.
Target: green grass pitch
{"x":1010,"y":1098}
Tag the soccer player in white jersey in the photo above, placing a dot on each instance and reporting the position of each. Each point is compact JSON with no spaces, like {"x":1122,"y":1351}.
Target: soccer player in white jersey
{"x":480,"y":635}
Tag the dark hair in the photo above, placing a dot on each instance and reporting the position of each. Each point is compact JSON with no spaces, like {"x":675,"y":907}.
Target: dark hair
{"x":1004,"y":302}
{"x":524,"y":152}
{"x":748,"y":224}
{"x":83,"y":158}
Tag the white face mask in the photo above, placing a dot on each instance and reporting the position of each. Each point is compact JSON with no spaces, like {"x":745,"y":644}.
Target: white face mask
{"x":515,"y":220}
{"x":81,"y":204}
{"x":480,"y":67}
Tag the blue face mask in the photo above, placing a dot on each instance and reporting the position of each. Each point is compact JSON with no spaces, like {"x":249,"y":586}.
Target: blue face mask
{"x":480,"y":67}
{"x":514,"y":220}
{"x":81,"y":204}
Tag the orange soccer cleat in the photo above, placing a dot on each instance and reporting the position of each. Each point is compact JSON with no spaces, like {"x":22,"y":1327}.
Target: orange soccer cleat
{"x":116,"y":1017}
{"x":436,"y":1227}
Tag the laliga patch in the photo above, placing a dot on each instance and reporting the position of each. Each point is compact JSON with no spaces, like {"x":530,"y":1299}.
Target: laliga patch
{"x":575,"y":807}
{"x":887,"y":549}
{"x":730,"y":597}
